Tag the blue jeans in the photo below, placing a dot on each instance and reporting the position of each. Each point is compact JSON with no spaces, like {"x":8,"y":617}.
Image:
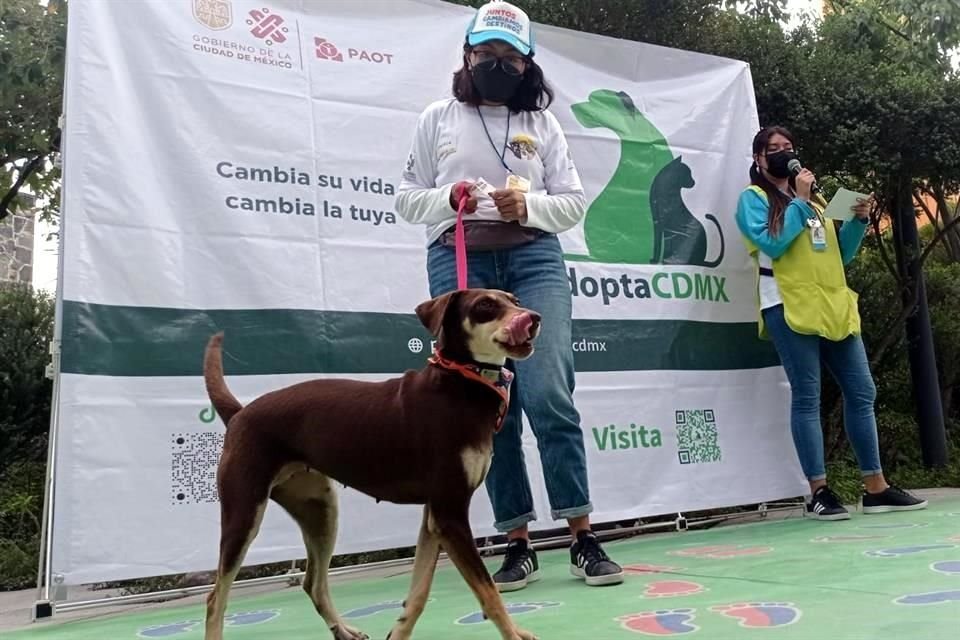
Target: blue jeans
{"x":846,"y":361}
{"x":543,"y":385}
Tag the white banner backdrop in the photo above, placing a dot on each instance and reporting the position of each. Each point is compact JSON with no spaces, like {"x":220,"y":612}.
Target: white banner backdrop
{"x":233,"y":165}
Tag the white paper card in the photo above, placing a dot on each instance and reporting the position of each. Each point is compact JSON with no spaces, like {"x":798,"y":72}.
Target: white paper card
{"x":841,"y":206}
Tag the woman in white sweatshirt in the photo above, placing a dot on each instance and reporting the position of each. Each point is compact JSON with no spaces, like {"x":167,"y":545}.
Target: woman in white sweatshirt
{"x":496,"y":128}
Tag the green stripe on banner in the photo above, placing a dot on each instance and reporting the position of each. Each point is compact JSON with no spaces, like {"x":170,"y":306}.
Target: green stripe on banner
{"x":147,"y":341}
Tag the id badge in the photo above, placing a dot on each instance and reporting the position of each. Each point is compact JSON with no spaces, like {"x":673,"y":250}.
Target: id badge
{"x":518,"y":183}
{"x":818,"y":235}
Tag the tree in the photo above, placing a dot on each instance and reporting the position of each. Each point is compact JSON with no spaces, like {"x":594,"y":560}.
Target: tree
{"x":32,"y":54}
{"x":674,"y":23}
{"x":26,"y":329}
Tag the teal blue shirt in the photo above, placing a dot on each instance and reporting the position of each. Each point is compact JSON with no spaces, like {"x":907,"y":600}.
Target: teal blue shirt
{"x":752,"y":213}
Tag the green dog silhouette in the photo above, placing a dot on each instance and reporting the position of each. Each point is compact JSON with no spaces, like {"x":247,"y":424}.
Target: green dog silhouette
{"x":633,"y":221}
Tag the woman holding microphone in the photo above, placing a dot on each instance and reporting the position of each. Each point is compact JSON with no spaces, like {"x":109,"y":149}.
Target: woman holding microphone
{"x":811,"y":315}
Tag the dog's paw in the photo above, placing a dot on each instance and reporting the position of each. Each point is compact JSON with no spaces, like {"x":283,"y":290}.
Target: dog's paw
{"x":343,"y":632}
{"x":520,"y":634}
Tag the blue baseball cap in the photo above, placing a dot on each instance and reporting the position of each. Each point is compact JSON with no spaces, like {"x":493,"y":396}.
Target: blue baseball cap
{"x":501,"y":21}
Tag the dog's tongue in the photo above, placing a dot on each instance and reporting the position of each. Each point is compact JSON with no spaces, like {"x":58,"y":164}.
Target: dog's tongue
{"x":519,"y":328}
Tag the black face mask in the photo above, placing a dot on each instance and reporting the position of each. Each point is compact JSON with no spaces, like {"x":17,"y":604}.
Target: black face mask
{"x":777,"y":163}
{"x":493,"y":83}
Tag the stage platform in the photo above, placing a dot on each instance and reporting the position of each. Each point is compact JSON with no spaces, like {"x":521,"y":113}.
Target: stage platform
{"x":880,"y":577}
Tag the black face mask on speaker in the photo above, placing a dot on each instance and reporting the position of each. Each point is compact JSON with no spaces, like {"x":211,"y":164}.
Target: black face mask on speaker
{"x":778,"y":163}
{"x":493,"y":83}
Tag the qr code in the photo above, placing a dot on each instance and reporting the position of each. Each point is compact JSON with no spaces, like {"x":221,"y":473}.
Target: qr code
{"x":193,"y":467}
{"x":697,"y":437}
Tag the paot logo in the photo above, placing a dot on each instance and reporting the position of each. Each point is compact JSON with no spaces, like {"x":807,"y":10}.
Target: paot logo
{"x":267,"y":26}
{"x":213,"y":14}
{"x":640,"y":216}
{"x":326,"y":50}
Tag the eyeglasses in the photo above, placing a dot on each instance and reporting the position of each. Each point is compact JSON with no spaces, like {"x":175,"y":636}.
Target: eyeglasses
{"x":511,"y":64}
{"x":770,"y":150}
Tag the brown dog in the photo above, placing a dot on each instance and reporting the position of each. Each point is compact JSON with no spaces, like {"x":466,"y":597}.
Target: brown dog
{"x":423,"y":438}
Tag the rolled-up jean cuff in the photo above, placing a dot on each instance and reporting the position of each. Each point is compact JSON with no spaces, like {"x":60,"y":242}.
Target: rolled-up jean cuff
{"x":572,"y":512}
{"x":515,"y":523}
{"x":870,"y":474}
{"x":822,"y":476}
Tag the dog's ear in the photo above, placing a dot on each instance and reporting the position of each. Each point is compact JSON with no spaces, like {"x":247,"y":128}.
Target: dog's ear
{"x":432,"y":312}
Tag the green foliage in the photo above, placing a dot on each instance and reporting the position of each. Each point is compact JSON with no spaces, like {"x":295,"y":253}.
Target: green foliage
{"x":32,"y":55}
{"x":26,"y":328}
{"x":21,"y":498}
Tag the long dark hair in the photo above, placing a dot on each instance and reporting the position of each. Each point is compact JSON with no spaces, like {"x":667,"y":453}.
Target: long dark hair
{"x":533,"y":94}
{"x":777,"y":200}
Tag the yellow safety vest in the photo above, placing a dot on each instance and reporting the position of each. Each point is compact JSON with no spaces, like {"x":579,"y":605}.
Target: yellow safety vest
{"x":813,"y":285}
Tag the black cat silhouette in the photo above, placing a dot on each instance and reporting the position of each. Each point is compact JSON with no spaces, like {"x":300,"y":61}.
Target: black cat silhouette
{"x":678,"y":236}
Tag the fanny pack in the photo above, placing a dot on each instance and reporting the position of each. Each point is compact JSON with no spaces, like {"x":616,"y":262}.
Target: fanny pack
{"x":491,"y":235}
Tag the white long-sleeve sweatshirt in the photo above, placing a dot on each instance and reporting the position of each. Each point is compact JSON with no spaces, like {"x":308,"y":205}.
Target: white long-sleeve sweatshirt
{"x":450,"y":145}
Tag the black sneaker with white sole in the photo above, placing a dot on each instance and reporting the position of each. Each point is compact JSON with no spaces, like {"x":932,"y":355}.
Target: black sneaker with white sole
{"x":826,"y":506}
{"x":520,"y":567}
{"x":590,"y":562}
{"x":891,"y":499}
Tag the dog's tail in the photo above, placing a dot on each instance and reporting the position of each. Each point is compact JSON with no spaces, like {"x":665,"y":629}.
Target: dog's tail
{"x":223,"y":401}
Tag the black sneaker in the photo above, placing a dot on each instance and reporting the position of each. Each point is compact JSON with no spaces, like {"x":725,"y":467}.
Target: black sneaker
{"x":520,"y":567}
{"x":826,"y":506}
{"x":891,"y":499}
{"x":589,"y":561}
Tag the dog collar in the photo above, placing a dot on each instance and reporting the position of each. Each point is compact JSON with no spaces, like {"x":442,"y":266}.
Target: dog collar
{"x":498,"y":379}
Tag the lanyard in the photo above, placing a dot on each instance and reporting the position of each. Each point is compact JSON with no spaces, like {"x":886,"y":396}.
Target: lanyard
{"x":503,"y":151}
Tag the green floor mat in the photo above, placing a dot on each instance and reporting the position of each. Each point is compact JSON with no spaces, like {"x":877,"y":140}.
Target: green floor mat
{"x":893,"y":576}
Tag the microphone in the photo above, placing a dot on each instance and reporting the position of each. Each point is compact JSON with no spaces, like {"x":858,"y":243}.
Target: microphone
{"x":795,"y":167}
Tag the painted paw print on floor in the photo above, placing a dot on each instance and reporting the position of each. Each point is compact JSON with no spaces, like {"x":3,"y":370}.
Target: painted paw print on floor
{"x":167,"y":630}
{"x":672,"y":589}
{"x":949,"y":567}
{"x":378,"y":607}
{"x":850,"y":538}
{"x":243,"y":618}
{"x":931,"y":598}
{"x":900,"y":525}
{"x":513,"y":609}
{"x":897,"y":552}
{"x":666,"y":622}
{"x":763,"y":615}
{"x":644,"y":569}
{"x":720,"y":552}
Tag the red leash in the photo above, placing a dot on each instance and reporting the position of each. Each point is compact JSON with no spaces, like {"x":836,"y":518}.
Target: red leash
{"x":462,"y":194}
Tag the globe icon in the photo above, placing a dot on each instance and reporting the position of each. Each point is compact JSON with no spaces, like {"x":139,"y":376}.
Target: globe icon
{"x":415,"y":345}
